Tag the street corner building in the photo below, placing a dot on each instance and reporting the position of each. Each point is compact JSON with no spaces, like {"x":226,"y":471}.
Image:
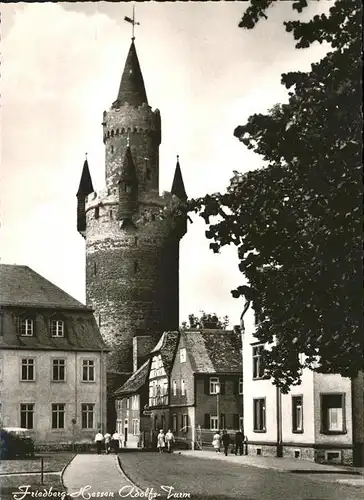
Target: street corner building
{"x":316,"y":420}
{"x":52,"y":361}
{"x":131,"y":232}
{"x":191,"y":384}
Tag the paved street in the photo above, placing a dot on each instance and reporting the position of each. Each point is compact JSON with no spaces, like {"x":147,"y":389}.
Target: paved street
{"x":181,"y":475}
{"x":217,"y":480}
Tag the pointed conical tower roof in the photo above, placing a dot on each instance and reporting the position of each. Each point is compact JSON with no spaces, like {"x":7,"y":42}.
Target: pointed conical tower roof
{"x":128,"y":171}
{"x":132,"y":89}
{"x":85,"y":186}
{"x":178,"y":187}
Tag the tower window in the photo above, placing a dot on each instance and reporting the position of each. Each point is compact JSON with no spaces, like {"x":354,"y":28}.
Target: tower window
{"x":97,"y":212}
{"x":94,"y":269}
{"x":148,"y":174}
{"x":110,"y":214}
{"x":136,"y":266}
{"x":99,"y":320}
{"x":136,"y":240}
{"x":112,"y":149}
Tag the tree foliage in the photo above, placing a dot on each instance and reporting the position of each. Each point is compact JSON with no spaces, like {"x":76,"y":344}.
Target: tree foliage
{"x":206,"y":320}
{"x":296,"y":223}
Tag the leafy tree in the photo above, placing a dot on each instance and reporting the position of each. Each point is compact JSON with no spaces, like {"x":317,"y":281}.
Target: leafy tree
{"x":296,"y":222}
{"x":206,"y":320}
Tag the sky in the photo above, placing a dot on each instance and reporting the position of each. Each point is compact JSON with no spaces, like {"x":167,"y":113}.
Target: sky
{"x":61,"y":67}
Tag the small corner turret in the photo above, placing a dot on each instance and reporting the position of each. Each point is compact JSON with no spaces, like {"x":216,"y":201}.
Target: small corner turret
{"x":84,"y":189}
{"x":178,"y":187}
{"x":128,"y":188}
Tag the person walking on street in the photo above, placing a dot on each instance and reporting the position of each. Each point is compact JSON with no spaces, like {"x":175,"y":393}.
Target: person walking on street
{"x":161,"y":443}
{"x":216,"y":442}
{"x":107,"y":439}
{"x":115,"y":442}
{"x":225,"y":441}
{"x":99,"y":439}
{"x":169,"y":440}
{"x":239,"y":439}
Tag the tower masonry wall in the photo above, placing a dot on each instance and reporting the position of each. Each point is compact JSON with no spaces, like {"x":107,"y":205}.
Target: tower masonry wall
{"x":142,"y":128}
{"x":131,"y":275}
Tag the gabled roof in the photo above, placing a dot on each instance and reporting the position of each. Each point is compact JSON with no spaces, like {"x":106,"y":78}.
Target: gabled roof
{"x":135,"y":382}
{"x":213,"y":351}
{"x":85,"y":186}
{"x":20,"y":286}
{"x":132,"y":89}
{"x":178,"y":187}
{"x":166,"y":347}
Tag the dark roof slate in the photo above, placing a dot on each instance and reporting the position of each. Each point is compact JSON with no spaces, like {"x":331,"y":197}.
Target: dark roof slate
{"x":85,"y":186}
{"x":132,"y":89}
{"x":178,"y":187}
{"x":20,"y":286}
{"x":128,"y":172}
{"x":213,"y":351}
{"x":135,"y":382}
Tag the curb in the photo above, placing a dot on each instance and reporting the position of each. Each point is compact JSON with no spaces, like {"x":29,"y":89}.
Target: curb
{"x":64,"y":470}
{"x":127,"y":478}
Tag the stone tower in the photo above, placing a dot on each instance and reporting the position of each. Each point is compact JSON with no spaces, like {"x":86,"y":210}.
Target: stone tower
{"x":132,"y":233}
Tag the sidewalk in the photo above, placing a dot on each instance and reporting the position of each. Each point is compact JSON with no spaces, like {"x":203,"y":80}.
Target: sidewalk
{"x":87,"y":474}
{"x":280,"y":464}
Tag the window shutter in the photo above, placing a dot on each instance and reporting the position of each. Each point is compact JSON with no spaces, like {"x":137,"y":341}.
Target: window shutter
{"x":207,"y":385}
{"x":236,"y":421}
{"x":207,"y":421}
{"x":222,"y":386}
{"x":222,"y":421}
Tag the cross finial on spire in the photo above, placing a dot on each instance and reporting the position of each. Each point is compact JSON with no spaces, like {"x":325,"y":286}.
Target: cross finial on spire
{"x":128,"y":140}
{"x":177,"y":157}
{"x":133,"y":22}
{"x":86,"y":155}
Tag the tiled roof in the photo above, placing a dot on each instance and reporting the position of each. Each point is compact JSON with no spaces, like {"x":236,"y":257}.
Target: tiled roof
{"x":81,"y":334}
{"x":135,"y":382}
{"x":132,"y":89}
{"x":21,"y":286}
{"x":167,"y":346}
{"x":213,"y":351}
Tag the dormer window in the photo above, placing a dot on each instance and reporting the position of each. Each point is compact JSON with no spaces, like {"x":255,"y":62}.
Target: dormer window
{"x":26,"y":327}
{"x":97,"y":212}
{"x":57,"y":328}
{"x":182,"y":355}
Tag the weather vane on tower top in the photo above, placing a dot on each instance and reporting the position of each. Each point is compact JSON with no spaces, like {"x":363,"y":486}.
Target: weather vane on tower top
{"x":133,"y":22}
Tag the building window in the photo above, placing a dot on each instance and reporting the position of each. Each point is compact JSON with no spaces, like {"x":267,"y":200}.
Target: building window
{"x":135,"y":402}
{"x":174,"y":423}
{"x":297,"y":414}
{"x":214,"y":423}
{"x":258,"y":371}
{"x":87,"y":415}
{"x":174,"y":388}
{"x":182,"y":355}
{"x":57,"y":328}
{"x":241,"y":386}
{"x":26,"y":327}
{"x":27,"y":415}
{"x":112,"y":149}
{"x":135,"y":424}
{"x":136,"y":266}
{"x":128,"y":403}
{"x":58,"y":370}
{"x":58,"y":416}
{"x":27,"y":369}
{"x":184,"y":423}
{"x":183,"y":388}
{"x":214,"y":385}
{"x":333,"y":413}
{"x":94,"y":269}
{"x":88,"y":370}
{"x":259,"y":415}
{"x":97,"y":212}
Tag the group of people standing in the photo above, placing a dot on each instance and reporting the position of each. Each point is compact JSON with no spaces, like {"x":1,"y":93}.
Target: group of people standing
{"x":165,"y":441}
{"x":225,"y":440}
{"x":107,"y":442}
